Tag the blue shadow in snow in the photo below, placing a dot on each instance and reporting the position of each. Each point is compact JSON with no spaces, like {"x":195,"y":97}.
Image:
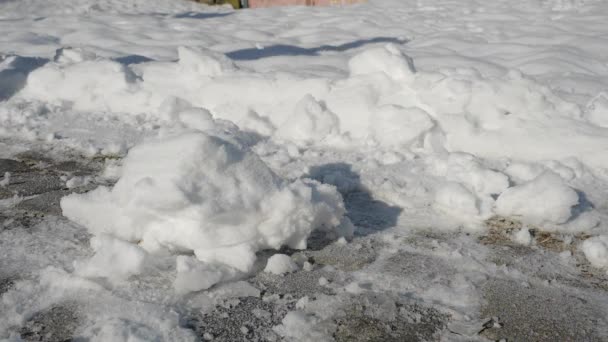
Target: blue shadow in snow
{"x":292,"y":50}
{"x":368,"y":214}
{"x":133,"y":59}
{"x":14,"y":75}
{"x":201,"y":15}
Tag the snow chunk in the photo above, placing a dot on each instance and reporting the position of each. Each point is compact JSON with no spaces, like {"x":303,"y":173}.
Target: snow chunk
{"x":193,"y":275}
{"x":6,"y":179}
{"x":596,"y":251}
{"x":311,"y":122}
{"x":114,"y":259}
{"x":456,"y":200}
{"x":465,"y":168}
{"x":298,"y":326}
{"x":77,"y":181}
{"x":545,"y":199}
{"x":280,"y":264}
{"x":388,"y":60}
{"x":597,"y":110}
{"x":398,"y":126}
{"x":118,"y":329}
{"x":199,"y":193}
{"x":72,"y":55}
{"x":88,"y":85}
{"x":524,"y":172}
{"x":523,"y":237}
{"x":204,"y":63}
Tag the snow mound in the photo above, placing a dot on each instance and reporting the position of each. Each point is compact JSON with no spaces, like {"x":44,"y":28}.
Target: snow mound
{"x":280,"y":264}
{"x":383,"y":101}
{"x":545,"y":199}
{"x":596,"y":251}
{"x":199,"y":193}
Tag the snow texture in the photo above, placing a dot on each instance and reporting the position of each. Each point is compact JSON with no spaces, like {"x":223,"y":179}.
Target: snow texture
{"x":407,"y":124}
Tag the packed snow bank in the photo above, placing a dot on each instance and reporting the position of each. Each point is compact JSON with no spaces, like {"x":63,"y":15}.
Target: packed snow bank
{"x":202,"y":194}
{"x":596,"y":251}
{"x":382,"y":102}
{"x":545,"y":199}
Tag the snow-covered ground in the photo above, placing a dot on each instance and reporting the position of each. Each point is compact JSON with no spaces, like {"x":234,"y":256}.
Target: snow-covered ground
{"x":422,"y":159}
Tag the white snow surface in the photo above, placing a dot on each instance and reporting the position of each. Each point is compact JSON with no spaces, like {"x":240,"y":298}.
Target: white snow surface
{"x":239,"y":131}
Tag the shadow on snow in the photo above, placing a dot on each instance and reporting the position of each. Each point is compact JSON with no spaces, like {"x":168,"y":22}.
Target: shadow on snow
{"x":14,"y":71}
{"x":292,"y":50}
{"x":369,"y":215}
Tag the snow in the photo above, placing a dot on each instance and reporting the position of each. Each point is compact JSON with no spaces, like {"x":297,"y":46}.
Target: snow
{"x":280,"y":264}
{"x":226,"y":133}
{"x":209,"y":197}
{"x":596,"y":251}
{"x":193,"y":275}
{"x":6,"y":179}
{"x":114,"y":259}
{"x":523,"y":237}
{"x":454,"y":199}
{"x":298,"y":326}
{"x":545,"y":199}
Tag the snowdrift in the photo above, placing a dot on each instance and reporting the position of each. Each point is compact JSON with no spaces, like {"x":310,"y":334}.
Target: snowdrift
{"x":384,"y":102}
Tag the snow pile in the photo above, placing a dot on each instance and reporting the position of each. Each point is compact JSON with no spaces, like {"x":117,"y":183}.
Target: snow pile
{"x":383,"y":102}
{"x":280,"y":264}
{"x":596,"y":251}
{"x":79,"y":77}
{"x":197,"y":193}
{"x":545,"y":199}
